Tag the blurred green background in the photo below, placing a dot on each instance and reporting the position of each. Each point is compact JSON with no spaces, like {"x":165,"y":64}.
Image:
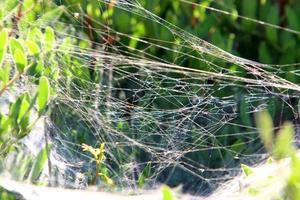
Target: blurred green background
{"x":91,"y":21}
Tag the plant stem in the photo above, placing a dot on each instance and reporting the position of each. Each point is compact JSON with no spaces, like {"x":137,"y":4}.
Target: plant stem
{"x":97,"y":173}
{"x":14,"y":79}
{"x":10,"y":82}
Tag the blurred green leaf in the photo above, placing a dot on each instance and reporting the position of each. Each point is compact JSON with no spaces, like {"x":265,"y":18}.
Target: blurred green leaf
{"x":43,"y":94}
{"x":4,"y":124}
{"x":49,"y":39}
{"x":253,"y":191}
{"x":20,"y":60}
{"x":144,"y":175}
{"x":93,"y":9}
{"x":35,"y":35}
{"x":24,"y":108}
{"x":264,"y":54}
{"x":33,"y":48}
{"x":292,"y":188}
{"x":14,"y":110}
{"x":273,"y":18}
{"x":36,"y":69}
{"x":3,"y":44}
{"x":167,"y":193}
{"x":4,"y":73}
{"x":284,"y":141}
{"x":39,"y":164}
{"x":18,"y":52}
{"x":249,"y":9}
{"x":15,"y":44}
{"x":246,"y":169}
{"x":292,"y":18}
{"x":265,"y":128}
{"x":123,"y":24}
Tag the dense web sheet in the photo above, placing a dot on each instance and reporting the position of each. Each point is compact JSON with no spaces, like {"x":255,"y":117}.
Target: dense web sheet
{"x":156,"y":112}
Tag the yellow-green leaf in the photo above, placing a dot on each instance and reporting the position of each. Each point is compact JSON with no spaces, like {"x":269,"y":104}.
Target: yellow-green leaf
{"x":43,"y":94}
{"x":49,"y":39}
{"x":167,"y":193}
{"x":246,"y":169}
{"x":4,"y":124}
{"x":18,"y":53}
{"x":144,"y":175}
{"x":20,"y":60}
{"x":106,"y":179}
{"x":3,"y":44}
{"x":35,"y":35}
{"x":4,"y":73}
{"x":284,"y":141}
{"x":24,"y":108}
{"x":33,"y":48}
{"x":15,"y":44}
{"x":265,"y":129}
{"x":39,"y":164}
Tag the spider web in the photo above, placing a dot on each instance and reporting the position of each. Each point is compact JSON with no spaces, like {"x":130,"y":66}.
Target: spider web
{"x":192,"y":126}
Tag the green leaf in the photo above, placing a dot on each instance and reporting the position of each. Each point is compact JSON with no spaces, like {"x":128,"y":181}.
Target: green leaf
{"x":4,"y":73}
{"x":264,"y":53}
{"x":93,"y":9}
{"x":3,"y":44}
{"x":24,"y":163}
{"x":292,"y":189}
{"x":15,"y":44}
{"x":253,"y":191}
{"x":18,"y":52}
{"x":167,"y":193}
{"x":106,"y":179}
{"x":4,"y":124}
{"x":273,"y":17}
{"x":35,"y":35}
{"x":43,"y":94}
{"x":20,"y":60}
{"x":49,"y":39}
{"x":265,"y":129}
{"x":24,"y":115}
{"x":39,"y":164}
{"x":246,"y":169}
{"x":292,"y":18}
{"x":249,"y":9}
{"x":24,"y":108}
{"x":284,"y":141}
{"x":145,"y":174}
{"x":36,"y":69}
{"x":33,"y":48}
{"x":14,"y":111}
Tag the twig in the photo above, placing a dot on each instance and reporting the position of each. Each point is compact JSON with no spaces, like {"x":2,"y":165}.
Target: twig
{"x":10,"y":82}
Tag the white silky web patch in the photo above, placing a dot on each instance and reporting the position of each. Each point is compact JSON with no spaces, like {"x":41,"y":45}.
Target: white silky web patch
{"x":193,"y":126}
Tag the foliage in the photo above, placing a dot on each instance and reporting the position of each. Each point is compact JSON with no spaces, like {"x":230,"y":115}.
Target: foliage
{"x":30,"y":40}
{"x":167,"y":193}
{"x":98,"y":154}
{"x":281,"y":148}
{"x":16,"y":42}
